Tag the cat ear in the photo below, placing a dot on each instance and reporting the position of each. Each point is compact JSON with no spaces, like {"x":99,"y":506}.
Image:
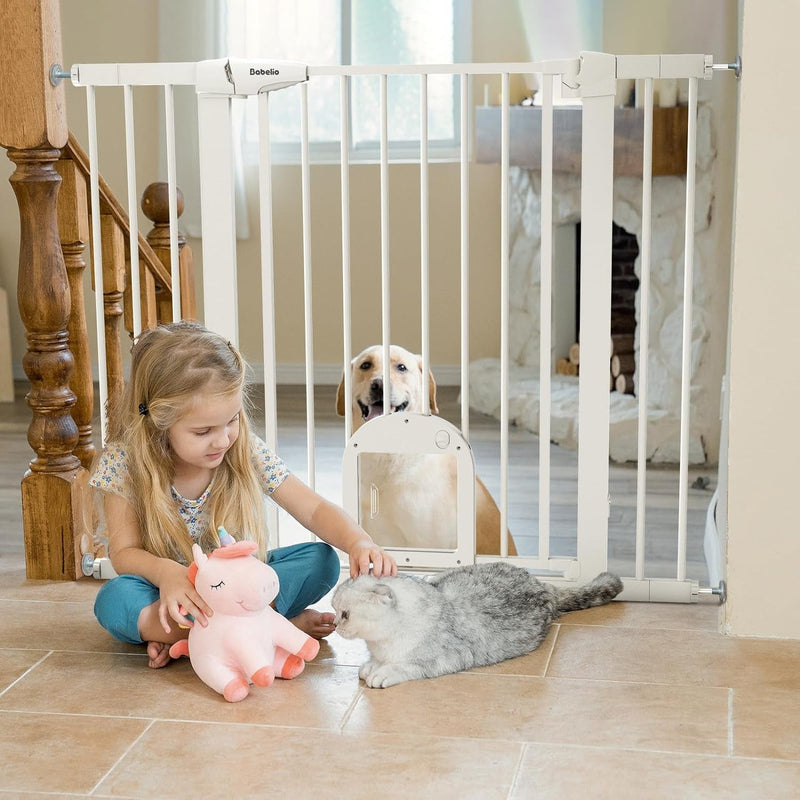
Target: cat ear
{"x":383,"y":593}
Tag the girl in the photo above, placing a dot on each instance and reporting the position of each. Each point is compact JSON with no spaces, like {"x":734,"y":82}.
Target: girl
{"x":180,"y":462}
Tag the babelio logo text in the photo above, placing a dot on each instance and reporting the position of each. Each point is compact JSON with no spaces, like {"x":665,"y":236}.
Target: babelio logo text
{"x":254,"y":71}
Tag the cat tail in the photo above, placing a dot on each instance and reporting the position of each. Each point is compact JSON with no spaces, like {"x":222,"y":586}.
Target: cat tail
{"x":604,"y":588}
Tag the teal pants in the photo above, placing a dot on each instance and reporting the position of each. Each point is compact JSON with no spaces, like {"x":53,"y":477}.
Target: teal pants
{"x":307,"y":572}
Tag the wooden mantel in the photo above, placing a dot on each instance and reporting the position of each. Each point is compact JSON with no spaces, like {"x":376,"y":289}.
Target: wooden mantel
{"x":669,"y":138}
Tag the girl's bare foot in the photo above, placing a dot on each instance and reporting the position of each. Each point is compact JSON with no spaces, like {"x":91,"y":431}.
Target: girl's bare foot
{"x":315,"y":623}
{"x":158,"y":653}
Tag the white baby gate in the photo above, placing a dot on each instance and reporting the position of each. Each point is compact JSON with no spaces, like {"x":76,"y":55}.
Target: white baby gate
{"x":592,"y":77}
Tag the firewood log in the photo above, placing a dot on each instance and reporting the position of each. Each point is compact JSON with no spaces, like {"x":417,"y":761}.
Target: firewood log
{"x":564,"y":367}
{"x":575,"y":353}
{"x":624,"y":384}
{"x":623,"y":364}
{"x":622,"y":323}
{"x":621,"y":343}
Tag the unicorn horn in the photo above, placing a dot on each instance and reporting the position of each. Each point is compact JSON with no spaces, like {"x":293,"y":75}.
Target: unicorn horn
{"x":224,"y":537}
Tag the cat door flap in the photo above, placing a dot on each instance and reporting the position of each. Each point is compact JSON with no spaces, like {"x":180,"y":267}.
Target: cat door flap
{"x":409,"y":479}
{"x":409,"y":499}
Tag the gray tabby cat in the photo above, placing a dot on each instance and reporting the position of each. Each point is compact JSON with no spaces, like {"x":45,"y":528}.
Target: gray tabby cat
{"x":458,"y":619}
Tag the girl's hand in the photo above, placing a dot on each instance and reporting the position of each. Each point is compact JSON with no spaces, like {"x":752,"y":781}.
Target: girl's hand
{"x":179,"y":595}
{"x":365,"y":553}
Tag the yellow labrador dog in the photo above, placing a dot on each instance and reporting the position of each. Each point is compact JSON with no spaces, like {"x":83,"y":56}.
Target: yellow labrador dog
{"x":417,"y":492}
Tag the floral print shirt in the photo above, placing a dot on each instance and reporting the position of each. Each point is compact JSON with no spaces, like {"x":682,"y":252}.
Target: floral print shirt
{"x":111,"y":472}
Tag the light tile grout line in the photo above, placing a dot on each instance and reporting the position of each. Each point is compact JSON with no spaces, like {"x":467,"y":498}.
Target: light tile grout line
{"x":629,"y":681}
{"x":350,"y":709}
{"x":552,"y":650}
{"x":479,"y":672}
{"x":27,"y":671}
{"x":77,"y":651}
{"x":629,"y":749}
{"x":123,"y":756}
{"x":36,"y":605}
{"x":161,"y":719}
{"x":730,"y":722}
{"x":638,"y":627}
{"x":518,"y":769}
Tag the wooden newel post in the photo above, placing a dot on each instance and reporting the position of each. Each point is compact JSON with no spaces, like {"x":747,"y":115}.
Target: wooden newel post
{"x":51,"y":491}
{"x":33,"y":129}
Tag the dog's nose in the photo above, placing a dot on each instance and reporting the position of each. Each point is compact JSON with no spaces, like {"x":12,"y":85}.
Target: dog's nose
{"x":377,"y":384}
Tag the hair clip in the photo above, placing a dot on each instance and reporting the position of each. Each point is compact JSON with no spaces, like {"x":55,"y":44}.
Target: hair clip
{"x":143,"y":409}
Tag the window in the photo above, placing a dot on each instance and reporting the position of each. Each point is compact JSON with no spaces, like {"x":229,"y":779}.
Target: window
{"x":366,"y":32}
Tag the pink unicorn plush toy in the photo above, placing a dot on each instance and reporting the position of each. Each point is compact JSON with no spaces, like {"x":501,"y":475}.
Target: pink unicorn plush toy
{"x":246,"y":640}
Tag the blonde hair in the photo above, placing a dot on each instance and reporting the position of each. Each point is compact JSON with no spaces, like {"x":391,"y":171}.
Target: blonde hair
{"x":172,"y":366}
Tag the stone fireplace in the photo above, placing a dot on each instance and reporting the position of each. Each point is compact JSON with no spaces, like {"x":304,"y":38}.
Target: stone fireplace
{"x":666,"y":307}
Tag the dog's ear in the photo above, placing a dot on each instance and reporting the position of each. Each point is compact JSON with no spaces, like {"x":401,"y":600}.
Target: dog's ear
{"x":432,"y":391}
{"x":340,"y":407}
{"x":431,"y":387}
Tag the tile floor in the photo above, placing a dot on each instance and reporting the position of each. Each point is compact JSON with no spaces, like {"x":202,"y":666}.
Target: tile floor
{"x":628,"y":700}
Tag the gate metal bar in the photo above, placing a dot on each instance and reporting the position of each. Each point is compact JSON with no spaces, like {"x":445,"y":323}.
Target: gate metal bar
{"x":644,"y":327}
{"x":97,"y":259}
{"x":385,"y":276}
{"x":464,"y":84}
{"x":130,"y":153}
{"x":545,"y":316}
{"x":505,"y":133}
{"x":308,"y":308}
{"x":686,"y":346}
{"x":268,"y":292}
{"x":172,"y":193}
{"x":423,"y":230}
{"x":598,"y":88}
{"x":344,"y":150}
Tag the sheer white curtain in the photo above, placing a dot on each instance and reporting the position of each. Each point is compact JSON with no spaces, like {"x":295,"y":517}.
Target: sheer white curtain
{"x":355,"y":32}
{"x":319,"y":32}
{"x":193,"y":30}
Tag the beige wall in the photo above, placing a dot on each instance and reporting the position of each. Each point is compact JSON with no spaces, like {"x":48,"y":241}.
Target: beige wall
{"x":763,"y":541}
